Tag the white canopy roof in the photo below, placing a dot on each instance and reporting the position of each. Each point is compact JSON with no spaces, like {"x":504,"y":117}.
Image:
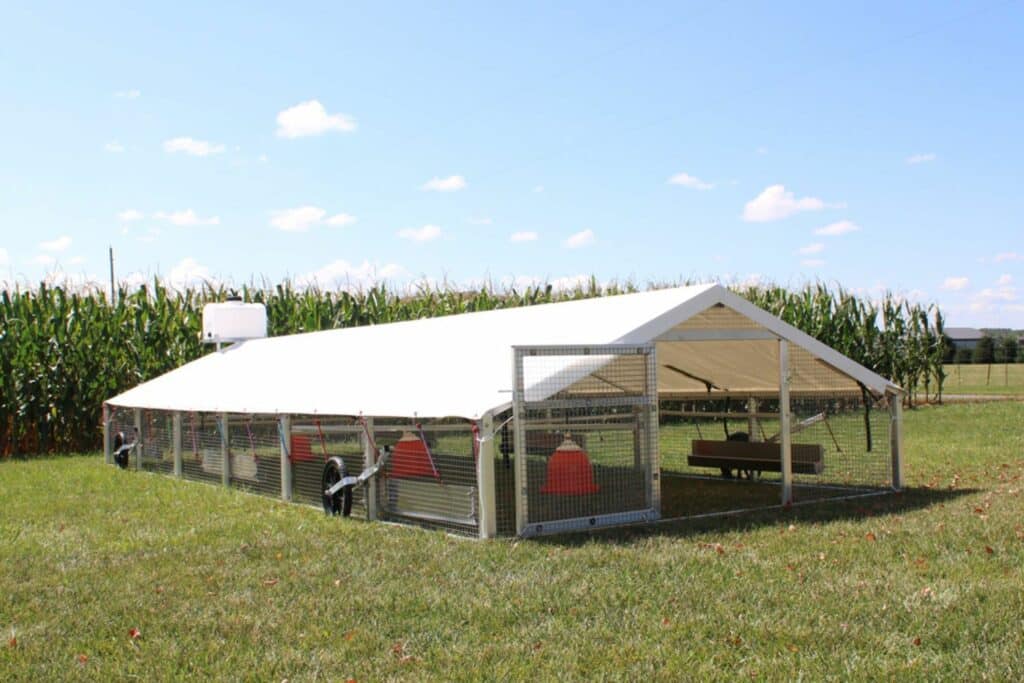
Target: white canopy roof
{"x":461,"y":365}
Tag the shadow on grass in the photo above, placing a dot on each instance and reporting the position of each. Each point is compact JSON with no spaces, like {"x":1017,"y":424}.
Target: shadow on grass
{"x":824,"y":511}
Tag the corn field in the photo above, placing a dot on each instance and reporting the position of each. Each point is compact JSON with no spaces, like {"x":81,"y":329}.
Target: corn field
{"x":64,"y":350}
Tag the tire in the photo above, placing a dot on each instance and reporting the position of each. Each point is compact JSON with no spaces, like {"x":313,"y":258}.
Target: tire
{"x":340,"y":503}
{"x":120,"y":457}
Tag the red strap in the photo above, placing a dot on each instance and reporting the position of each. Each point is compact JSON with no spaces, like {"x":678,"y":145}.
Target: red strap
{"x":369,"y":437}
{"x":323,"y":441}
{"x":426,"y":447}
{"x":252,"y":442}
{"x":195,"y":445}
{"x":476,"y":440}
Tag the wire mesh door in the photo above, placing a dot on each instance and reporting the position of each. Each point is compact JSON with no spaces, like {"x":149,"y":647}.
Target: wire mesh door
{"x":586,"y":437}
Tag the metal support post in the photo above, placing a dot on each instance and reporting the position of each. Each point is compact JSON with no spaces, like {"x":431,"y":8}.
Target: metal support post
{"x":785,"y":438}
{"x":753,"y":426}
{"x":108,"y":452}
{"x":488,"y":516}
{"x":138,"y":439}
{"x":225,"y":450}
{"x":176,"y":436}
{"x":369,"y":460}
{"x":286,"y":463}
{"x":896,"y":439}
{"x":518,"y":424}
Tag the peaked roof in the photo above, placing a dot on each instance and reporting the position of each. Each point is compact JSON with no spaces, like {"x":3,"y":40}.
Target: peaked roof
{"x":453,"y":366}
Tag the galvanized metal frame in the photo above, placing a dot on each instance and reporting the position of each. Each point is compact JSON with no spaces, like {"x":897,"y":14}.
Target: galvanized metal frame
{"x":785,"y":437}
{"x":139,"y":436}
{"x":896,"y":440}
{"x":647,"y":404}
{"x":108,"y":454}
{"x":369,"y":460}
{"x":488,"y":515}
{"x":176,"y":438}
{"x":225,"y":450}
{"x":285,"y":432}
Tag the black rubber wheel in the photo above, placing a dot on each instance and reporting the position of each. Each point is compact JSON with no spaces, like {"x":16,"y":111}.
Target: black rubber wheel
{"x":120,"y":457}
{"x":340,"y":503}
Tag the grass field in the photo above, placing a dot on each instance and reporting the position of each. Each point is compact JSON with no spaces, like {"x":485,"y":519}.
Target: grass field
{"x":113,"y":575}
{"x":997,"y":379}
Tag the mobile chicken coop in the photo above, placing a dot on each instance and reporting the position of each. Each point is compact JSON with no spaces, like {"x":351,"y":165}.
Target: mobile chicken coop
{"x":575,"y":415}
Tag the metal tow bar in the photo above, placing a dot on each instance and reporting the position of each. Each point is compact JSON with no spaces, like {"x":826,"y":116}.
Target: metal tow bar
{"x":338,"y":484}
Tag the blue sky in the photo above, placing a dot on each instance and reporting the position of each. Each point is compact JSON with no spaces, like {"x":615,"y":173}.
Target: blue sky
{"x":874,"y":146}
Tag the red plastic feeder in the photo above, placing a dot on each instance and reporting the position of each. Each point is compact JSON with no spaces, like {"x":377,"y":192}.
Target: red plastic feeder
{"x":410,"y":458}
{"x":301,"y":449}
{"x":569,"y":471}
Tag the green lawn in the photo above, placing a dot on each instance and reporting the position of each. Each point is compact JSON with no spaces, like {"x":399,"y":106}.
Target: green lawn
{"x":997,"y":379}
{"x":927,"y":584}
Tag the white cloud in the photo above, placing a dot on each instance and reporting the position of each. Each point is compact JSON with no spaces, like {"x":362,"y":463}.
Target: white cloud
{"x":298,"y":219}
{"x":775,"y":203}
{"x":344,"y":275}
{"x":955,"y":283}
{"x":129,"y":215}
{"x":837,"y":228}
{"x":452,"y":183}
{"x":114,"y":146}
{"x":302,"y":218}
{"x":341,"y":219}
{"x":5,"y":258}
{"x":915,"y":159}
{"x":580,"y":239}
{"x":812,"y":262}
{"x":525,"y":236}
{"x":76,"y":260}
{"x":692,"y":182}
{"x":427,"y":233}
{"x":1007,"y":256}
{"x":815,"y":248}
{"x":186,"y":218}
{"x":59,"y":244}
{"x":188,"y":272}
{"x":196,"y":148}
{"x":263,"y":158}
{"x":310,"y":118}
{"x":538,"y":188}
{"x":128,"y":94}
{"x":44,"y":260}
{"x":1002,"y":293}
{"x":1004,"y":280}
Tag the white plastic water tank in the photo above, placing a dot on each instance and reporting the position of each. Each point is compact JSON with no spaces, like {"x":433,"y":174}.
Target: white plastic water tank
{"x":233,"y":321}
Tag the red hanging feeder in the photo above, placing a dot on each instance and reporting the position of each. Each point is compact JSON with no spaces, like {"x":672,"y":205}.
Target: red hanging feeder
{"x":569,"y":471}
{"x":411,"y":458}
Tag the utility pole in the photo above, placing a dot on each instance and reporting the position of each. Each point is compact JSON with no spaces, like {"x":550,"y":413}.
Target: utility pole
{"x":112,"y":291}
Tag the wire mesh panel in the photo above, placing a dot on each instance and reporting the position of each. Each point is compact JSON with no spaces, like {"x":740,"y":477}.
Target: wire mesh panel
{"x":703,"y":448}
{"x":122,"y":421}
{"x":255,"y":452}
{"x":722,"y":452}
{"x":586,"y":449}
{"x":852,"y":428}
{"x":504,"y":475}
{"x":157,"y":441}
{"x":430,"y":478}
{"x":313,"y":441}
{"x":201,"y":458}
